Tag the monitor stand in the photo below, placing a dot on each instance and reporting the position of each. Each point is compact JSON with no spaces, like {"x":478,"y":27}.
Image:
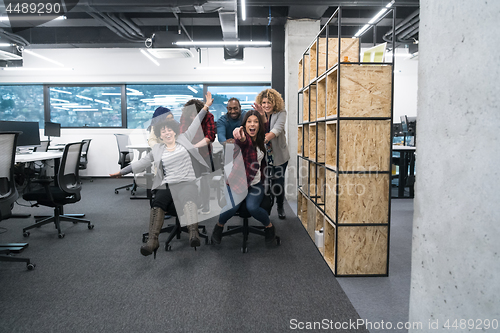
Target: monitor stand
{"x":22,"y":151}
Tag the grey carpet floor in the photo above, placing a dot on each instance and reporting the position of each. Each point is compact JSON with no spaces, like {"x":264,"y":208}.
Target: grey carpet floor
{"x":97,"y":280}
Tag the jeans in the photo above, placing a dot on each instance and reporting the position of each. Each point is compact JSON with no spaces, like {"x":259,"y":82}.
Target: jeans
{"x":252,"y":201}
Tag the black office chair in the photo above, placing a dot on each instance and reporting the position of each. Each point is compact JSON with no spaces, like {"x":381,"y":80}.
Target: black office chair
{"x":8,"y":195}
{"x":175,"y":230}
{"x":44,"y":146}
{"x":245,"y":228}
{"x":84,"y":159}
{"x":66,"y":190}
{"x":124,"y":158}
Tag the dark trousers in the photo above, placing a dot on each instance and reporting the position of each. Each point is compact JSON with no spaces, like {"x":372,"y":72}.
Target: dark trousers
{"x":183,"y":193}
{"x":278,"y":183}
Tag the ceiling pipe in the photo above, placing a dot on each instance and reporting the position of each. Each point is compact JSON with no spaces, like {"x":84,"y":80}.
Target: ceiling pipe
{"x":411,"y":22}
{"x":16,"y":39}
{"x":112,"y":27}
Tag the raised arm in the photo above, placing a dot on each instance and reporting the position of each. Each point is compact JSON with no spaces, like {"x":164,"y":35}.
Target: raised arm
{"x":196,"y":124}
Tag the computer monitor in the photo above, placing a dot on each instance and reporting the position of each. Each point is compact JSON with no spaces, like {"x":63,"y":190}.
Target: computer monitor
{"x":52,"y":129}
{"x":31,"y":133}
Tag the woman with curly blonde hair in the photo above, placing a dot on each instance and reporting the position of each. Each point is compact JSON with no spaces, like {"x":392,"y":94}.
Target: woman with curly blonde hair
{"x":271,"y":106}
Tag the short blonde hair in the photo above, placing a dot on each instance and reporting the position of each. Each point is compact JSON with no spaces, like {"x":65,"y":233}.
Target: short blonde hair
{"x":274,"y":97}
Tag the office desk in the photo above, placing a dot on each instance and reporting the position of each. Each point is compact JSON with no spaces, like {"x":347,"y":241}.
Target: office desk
{"x":38,"y":156}
{"x":406,"y":160}
{"x":143,"y":149}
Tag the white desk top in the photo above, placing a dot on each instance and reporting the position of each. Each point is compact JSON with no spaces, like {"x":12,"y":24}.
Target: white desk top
{"x":142,"y":146}
{"x":401,"y":148}
{"x":38,"y":156}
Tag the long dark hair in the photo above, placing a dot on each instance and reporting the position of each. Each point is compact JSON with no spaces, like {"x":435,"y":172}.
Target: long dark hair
{"x":261,"y":134}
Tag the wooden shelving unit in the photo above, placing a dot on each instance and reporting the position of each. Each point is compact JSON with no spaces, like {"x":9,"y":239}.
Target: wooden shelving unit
{"x":344,"y":154}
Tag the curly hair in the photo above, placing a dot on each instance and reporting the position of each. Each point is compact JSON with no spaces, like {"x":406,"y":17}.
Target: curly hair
{"x":274,"y":97}
{"x":168,"y":123}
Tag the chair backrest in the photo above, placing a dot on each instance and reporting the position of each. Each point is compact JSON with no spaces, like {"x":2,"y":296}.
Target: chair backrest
{"x":67,"y":175}
{"x":8,"y":191}
{"x":44,"y":146}
{"x":85,"y":152}
{"x":124,"y":154}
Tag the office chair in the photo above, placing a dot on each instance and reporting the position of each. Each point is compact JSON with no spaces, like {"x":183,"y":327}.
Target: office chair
{"x":8,"y":195}
{"x":66,"y":190}
{"x":245,"y":228}
{"x":84,"y":159}
{"x":124,"y":158}
{"x":176,"y":230}
{"x":44,"y":146}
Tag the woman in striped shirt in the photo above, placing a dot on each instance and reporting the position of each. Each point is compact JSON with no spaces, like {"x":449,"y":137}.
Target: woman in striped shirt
{"x":178,"y":163}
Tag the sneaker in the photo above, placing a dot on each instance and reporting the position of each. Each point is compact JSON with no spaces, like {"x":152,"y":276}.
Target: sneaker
{"x":281,"y":213}
{"x":270,"y":234}
{"x":217,"y":234}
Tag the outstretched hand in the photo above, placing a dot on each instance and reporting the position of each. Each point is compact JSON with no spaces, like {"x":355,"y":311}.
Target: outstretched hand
{"x":209,"y":99}
{"x":258,"y":108}
{"x":239,"y":134}
{"x":115,"y":175}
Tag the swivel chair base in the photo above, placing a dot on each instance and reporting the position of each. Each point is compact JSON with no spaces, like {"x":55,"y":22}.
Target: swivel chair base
{"x":246,"y":229}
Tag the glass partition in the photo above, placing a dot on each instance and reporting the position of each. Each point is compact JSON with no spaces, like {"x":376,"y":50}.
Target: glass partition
{"x":86,"y":106}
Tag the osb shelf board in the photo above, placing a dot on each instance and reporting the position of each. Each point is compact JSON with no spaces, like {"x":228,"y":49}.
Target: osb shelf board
{"x":364,"y":145}
{"x":365,"y":90}
{"x":331,"y":94}
{"x":312,"y":108}
{"x":301,"y":77}
{"x":321,"y":100}
{"x":362,"y":250}
{"x":312,"y":179}
{"x":312,"y":61}
{"x":331,"y":198}
{"x":306,"y":140}
{"x":329,"y":244}
{"x":349,"y":47}
{"x":305,"y":105}
{"x":321,"y":142}
{"x":299,"y":140}
{"x":321,"y":184}
{"x":312,"y":142}
{"x":363,"y":198}
{"x":331,"y":145}
{"x":311,"y":218}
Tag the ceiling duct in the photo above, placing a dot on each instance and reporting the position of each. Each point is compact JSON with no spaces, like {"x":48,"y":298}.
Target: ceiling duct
{"x":406,"y":31}
{"x":229,"y":26}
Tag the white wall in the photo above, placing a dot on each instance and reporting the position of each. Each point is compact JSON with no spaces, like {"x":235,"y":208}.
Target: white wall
{"x":456,"y":230}
{"x":131,"y":66}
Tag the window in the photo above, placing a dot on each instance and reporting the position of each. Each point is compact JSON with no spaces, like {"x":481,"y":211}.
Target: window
{"x":245,"y":94}
{"x":86,"y":106}
{"x":22,"y":103}
{"x":142,"y":101}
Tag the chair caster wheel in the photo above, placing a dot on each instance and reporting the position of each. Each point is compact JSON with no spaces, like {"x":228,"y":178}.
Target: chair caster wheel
{"x":60,"y":235}
{"x":30,"y":267}
{"x":127,"y":188}
{"x":116,"y":191}
{"x":26,"y":234}
{"x":168,"y":248}
{"x":90,"y":226}
{"x":145,"y":239}
{"x":132,"y":192}
{"x":278,"y":241}
{"x":244,"y":249}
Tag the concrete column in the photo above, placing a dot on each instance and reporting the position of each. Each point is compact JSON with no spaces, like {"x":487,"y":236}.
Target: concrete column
{"x":456,"y":228}
{"x":299,"y":34}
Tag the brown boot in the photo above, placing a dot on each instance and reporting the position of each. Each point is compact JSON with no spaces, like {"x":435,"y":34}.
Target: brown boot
{"x":191,"y":215}
{"x":156,"y":218}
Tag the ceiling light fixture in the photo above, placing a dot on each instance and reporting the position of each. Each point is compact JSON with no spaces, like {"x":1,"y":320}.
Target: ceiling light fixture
{"x":61,"y":91}
{"x":224,"y":43}
{"x":153,"y":60}
{"x":243,"y":10}
{"x":375,"y":18}
{"x":192,"y":89}
{"x":5,"y":44}
{"x":31,"y":18}
{"x":43,"y":57}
